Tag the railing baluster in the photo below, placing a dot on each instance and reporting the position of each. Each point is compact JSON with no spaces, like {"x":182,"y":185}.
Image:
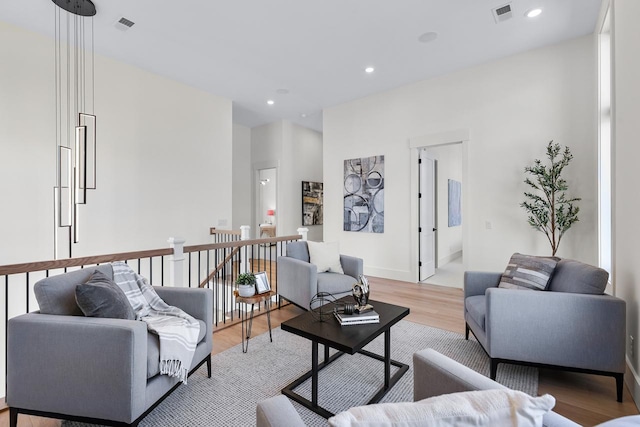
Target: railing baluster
{"x":6,"y":329}
{"x":151,"y":270}
{"x":27,"y":283}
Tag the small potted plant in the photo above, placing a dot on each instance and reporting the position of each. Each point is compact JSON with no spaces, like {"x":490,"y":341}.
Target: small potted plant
{"x":246,"y":284}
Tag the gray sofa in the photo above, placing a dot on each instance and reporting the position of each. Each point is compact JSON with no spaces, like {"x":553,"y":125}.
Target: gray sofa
{"x":104,"y":371}
{"x":299,"y":280}
{"x":433,"y":375}
{"x":571,"y":325}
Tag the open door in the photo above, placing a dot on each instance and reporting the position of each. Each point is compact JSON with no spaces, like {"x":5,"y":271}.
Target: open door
{"x":427,"y":205}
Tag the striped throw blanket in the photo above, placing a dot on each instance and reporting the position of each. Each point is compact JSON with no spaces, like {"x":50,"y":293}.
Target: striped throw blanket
{"x":178,"y":332}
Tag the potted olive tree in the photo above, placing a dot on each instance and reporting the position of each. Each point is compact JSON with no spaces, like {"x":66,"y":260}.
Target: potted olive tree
{"x":246,"y":284}
{"x":550,"y":209}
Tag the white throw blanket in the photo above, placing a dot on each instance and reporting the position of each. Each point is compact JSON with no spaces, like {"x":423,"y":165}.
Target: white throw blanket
{"x":178,"y":332}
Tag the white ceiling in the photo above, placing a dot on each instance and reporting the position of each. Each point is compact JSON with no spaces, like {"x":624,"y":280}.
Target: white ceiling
{"x":245,"y":50}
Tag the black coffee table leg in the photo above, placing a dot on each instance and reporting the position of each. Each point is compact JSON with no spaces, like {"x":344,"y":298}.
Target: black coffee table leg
{"x":387,"y":358}
{"x":314,"y":374}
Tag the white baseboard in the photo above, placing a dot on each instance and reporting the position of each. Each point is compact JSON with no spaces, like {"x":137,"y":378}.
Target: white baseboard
{"x":387,"y":273}
{"x":632,"y":380}
{"x":446,"y":260}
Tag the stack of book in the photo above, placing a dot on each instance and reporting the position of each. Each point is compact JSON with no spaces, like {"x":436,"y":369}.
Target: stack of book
{"x":357,"y":319}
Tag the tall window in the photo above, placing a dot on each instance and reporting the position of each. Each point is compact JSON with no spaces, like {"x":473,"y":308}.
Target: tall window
{"x":604,"y":145}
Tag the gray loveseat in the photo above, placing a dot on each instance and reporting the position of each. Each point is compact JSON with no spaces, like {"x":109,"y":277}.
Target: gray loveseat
{"x":67,"y":366}
{"x":571,"y":325}
{"x":299,"y":280}
{"x":433,"y":375}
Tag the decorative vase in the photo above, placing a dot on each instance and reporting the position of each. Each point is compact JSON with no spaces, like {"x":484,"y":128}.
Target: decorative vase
{"x":246,"y":290}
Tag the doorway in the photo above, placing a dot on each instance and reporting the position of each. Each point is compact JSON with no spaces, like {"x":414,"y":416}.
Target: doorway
{"x":266,"y":201}
{"x":427,"y":230}
{"x":440,"y":214}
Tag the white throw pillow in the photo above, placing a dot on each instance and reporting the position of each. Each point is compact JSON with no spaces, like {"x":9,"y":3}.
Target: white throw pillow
{"x":326,"y":256}
{"x":491,"y":408}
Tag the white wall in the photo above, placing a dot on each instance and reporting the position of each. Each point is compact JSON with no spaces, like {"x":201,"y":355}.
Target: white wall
{"x":163,"y":148}
{"x":512,"y":108}
{"x":297,"y":153}
{"x":242,"y":174}
{"x":449,"y":159}
{"x":626,"y":204}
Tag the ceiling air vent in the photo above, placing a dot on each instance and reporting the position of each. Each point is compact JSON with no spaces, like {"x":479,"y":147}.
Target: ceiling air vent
{"x":502,"y":13}
{"x":123,"y":24}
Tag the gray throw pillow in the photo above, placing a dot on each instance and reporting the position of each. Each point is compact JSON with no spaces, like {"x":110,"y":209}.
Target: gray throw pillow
{"x":101,"y":297}
{"x":528,"y":272}
{"x":578,"y":277}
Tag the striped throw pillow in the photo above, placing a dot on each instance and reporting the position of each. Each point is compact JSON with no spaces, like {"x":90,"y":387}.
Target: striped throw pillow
{"x":528,"y":272}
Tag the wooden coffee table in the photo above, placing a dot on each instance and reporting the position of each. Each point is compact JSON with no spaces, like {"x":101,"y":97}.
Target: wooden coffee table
{"x":346,"y":339}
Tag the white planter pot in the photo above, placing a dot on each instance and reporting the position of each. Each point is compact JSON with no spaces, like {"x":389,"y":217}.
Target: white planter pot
{"x":246,"y":290}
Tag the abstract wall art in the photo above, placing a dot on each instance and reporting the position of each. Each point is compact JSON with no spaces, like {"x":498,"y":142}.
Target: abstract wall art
{"x":455,"y":204}
{"x":364,"y":194}
{"x":311,"y":203}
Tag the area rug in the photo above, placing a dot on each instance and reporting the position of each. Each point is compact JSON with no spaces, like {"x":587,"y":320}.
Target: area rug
{"x":240,"y":380}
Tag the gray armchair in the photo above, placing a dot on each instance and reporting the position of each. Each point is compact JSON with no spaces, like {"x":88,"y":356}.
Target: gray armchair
{"x":559,"y":327}
{"x":104,"y":371}
{"x":299,"y":280}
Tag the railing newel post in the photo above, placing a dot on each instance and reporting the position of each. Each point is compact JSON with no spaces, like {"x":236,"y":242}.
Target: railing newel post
{"x":245,"y":234}
{"x":303,"y":232}
{"x":176,"y":261}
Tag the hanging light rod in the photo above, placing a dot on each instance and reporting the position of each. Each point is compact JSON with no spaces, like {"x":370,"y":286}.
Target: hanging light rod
{"x":77,"y":7}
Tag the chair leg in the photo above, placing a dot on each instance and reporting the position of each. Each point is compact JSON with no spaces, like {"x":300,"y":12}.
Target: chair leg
{"x":619,"y":385}
{"x":209,"y":366}
{"x":466,"y":331}
{"x":13,"y":417}
{"x":493,"y":370}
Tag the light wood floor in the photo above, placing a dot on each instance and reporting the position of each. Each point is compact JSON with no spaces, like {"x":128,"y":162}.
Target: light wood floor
{"x":586,"y":399}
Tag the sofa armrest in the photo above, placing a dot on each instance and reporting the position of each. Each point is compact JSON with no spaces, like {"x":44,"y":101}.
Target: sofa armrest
{"x":557,"y":328}
{"x":477,"y":282}
{"x":197,"y":302}
{"x":435,"y":374}
{"x":352,"y":266}
{"x":76,"y":365}
{"x":297,"y":280}
{"x":277,"y":411}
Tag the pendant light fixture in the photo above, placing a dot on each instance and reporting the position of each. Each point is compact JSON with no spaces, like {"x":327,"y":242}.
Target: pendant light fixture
{"x":75,"y":118}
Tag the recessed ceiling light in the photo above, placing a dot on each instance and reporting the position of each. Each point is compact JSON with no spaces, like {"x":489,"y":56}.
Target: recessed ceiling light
{"x":428,"y":37}
{"x":270,"y":102}
{"x":369,"y":70}
{"x":282,"y":91}
{"x":533,"y":12}
{"x":303,"y":115}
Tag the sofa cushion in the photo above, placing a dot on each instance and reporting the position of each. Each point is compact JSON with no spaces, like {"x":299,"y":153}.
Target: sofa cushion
{"x":153,"y":350}
{"x":101,"y":297}
{"x":298,"y":250}
{"x":500,"y":407}
{"x":57,"y":294}
{"x":335,"y":283}
{"x":577,"y":277}
{"x":325,"y":256}
{"x":477,"y":308}
{"x":528,"y":272}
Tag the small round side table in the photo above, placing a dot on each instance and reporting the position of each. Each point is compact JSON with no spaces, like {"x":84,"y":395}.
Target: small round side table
{"x":253,"y":300}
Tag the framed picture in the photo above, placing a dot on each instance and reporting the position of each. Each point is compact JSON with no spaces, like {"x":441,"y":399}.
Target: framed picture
{"x":262,"y":282}
{"x":312,"y":195}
